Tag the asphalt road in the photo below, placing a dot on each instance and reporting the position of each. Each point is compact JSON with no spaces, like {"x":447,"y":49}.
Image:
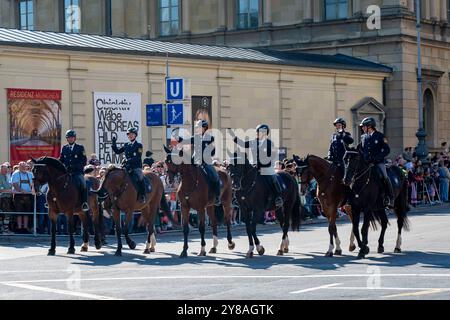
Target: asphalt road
{"x":421,"y":271}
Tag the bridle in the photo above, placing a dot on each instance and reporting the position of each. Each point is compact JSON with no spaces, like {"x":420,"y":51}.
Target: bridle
{"x":356,"y":176}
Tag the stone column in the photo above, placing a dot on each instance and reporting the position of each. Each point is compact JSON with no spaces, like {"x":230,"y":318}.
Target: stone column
{"x":185,"y":19}
{"x":410,"y":5}
{"x":434,"y":8}
{"x":267,"y":12}
{"x":317,"y":10}
{"x":231,"y":15}
{"x":222,"y":15}
{"x":153,"y":18}
{"x":444,"y":11}
{"x":307,"y":11}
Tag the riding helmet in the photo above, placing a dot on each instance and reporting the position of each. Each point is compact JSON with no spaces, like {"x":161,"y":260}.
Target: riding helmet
{"x":204,"y":124}
{"x":263,"y":127}
{"x":368,"y":122}
{"x":132,"y":130}
{"x":71,"y":134}
{"x":341,"y":121}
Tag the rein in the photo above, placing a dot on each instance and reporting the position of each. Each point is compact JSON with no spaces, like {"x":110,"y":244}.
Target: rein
{"x":359,"y":176}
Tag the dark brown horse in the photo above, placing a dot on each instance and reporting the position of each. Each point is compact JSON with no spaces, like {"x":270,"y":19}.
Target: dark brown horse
{"x":63,"y":197}
{"x":193,"y":193}
{"x":118,"y":187}
{"x":330,"y":192}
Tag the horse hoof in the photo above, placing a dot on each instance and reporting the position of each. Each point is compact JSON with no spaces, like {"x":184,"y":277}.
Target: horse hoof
{"x":152,"y":250}
{"x":231,"y":246}
{"x":338,"y":252}
{"x":84,"y":249}
{"x":261,"y":251}
{"x":286,"y":250}
{"x":361,"y":255}
{"x":104,"y":242}
{"x":352,"y":248}
{"x":132,"y":245}
{"x":51,"y":252}
{"x":71,"y":251}
{"x":280,"y":253}
{"x":118,"y":254}
{"x":380,"y":249}
{"x":183,"y":254}
{"x":98,"y":246}
{"x":398,"y":250}
{"x":366,"y":250}
{"x":146,"y":251}
{"x":201,"y":254}
{"x":249,"y":255}
{"x":213,"y":250}
{"x":329,"y":254}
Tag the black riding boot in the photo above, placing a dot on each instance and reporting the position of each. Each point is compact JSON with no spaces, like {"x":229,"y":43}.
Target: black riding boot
{"x":217,"y":193}
{"x":84,"y":195}
{"x":389,"y":199}
{"x":278,"y":192}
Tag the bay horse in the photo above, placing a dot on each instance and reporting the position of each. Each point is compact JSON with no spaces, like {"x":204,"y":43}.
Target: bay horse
{"x":330,"y":192}
{"x":255,"y":198}
{"x":121,"y":195}
{"x":63,"y":197}
{"x":367,"y":196}
{"x":193,"y":193}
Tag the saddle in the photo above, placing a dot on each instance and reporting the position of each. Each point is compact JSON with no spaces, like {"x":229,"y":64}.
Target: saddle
{"x":148,"y":186}
{"x":208,"y":177}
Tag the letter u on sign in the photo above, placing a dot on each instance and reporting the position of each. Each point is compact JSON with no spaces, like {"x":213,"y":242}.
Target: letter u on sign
{"x":175,"y":89}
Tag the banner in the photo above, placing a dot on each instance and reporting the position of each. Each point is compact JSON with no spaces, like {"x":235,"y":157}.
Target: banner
{"x":35,"y":123}
{"x":115,"y":113}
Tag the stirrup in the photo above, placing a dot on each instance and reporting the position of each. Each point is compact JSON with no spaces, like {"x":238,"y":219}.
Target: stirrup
{"x":85,"y":206}
{"x":217,"y":202}
{"x":278,"y":202}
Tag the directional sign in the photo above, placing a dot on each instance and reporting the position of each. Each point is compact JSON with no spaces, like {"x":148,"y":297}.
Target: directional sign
{"x":174,"y":89}
{"x":175,"y":114}
{"x":154,"y":115}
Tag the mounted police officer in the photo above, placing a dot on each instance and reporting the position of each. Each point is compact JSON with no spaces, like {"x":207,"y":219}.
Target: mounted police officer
{"x":73,"y":156}
{"x":336,"y":151}
{"x":133,"y":160}
{"x":375,"y":149}
{"x":262,"y":148}
{"x":201,"y":142}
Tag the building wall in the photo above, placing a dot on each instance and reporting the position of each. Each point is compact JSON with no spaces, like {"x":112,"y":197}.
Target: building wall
{"x":301,"y":102}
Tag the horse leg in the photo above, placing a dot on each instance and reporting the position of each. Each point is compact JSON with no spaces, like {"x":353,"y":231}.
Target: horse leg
{"x":71,"y":249}
{"x":228,"y":211}
{"x":259,"y":247}
{"x":150,"y":220}
{"x":384,"y":223}
{"x":84,"y":220}
{"x":116,"y":216}
{"x":398,"y":245}
{"x":185,"y":218}
{"x":130,"y":242}
{"x":284,"y":240}
{"x":53,"y":217}
{"x":365,"y":236}
{"x":355,"y":226}
{"x":97,"y":229}
{"x":248,"y":227}
{"x":331,"y":215}
{"x":201,"y":228}
{"x":213,"y":221}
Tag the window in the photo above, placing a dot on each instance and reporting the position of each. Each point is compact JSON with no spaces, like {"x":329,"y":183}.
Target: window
{"x":108,"y":20}
{"x":26,"y":15}
{"x":247,"y":14}
{"x":336,"y":9}
{"x":169,"y":17}
{"x":72,"y":16}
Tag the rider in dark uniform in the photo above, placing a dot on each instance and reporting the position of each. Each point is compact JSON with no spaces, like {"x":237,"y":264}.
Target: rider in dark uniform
{"x":375,"y":149}
{"x":133,"y":160}
{"x":200,"y":142}
{"x":73,"y":156}
{"x":262,"y":147}
{"x":336,"y":151}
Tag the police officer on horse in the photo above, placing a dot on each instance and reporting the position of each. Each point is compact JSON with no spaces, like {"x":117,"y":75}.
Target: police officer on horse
{"x":202,"y":141}
{"x":263,"y":147}
{"x":336,"y":151}
{"x":133,"y":161}
{"x":375,"y":149}
{"x":73,"y":156}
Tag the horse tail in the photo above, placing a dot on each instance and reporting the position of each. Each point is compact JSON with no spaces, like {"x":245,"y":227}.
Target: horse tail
{"x":296,"y":211}
{"x":401,"y":206}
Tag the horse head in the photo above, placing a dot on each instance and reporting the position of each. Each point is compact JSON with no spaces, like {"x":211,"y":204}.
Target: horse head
{"x":352,"y":159}
{"x":41,"y":173}
{"x":238,"y":165}
{"x":303,"y":172}
{"x":172,"y":164}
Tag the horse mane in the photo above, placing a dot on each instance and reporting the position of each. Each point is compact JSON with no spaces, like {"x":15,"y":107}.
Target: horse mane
{"x":52,"y":162}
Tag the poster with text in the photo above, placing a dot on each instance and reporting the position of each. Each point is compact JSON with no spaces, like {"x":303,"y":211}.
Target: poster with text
{"x":35,"y":123}
{"x":115,"y":113}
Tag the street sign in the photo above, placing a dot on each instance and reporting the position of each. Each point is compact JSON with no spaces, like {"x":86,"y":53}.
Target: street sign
{"x":175,"y":114}
{"x":154,"y":115}
{"x":174,"y":89}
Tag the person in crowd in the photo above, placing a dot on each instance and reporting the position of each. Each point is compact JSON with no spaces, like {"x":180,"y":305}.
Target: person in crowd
{"x":94,"y":160}
{"x":22,"y":181}
{"x":148,"y":159}
{"x":6,"y":201}
{"x":444,"y":179}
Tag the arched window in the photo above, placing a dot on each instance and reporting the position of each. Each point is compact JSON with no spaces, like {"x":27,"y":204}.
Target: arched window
{"x":428,"y":116}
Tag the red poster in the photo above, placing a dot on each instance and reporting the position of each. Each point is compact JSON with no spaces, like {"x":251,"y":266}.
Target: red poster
{"x":35,"y":123}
